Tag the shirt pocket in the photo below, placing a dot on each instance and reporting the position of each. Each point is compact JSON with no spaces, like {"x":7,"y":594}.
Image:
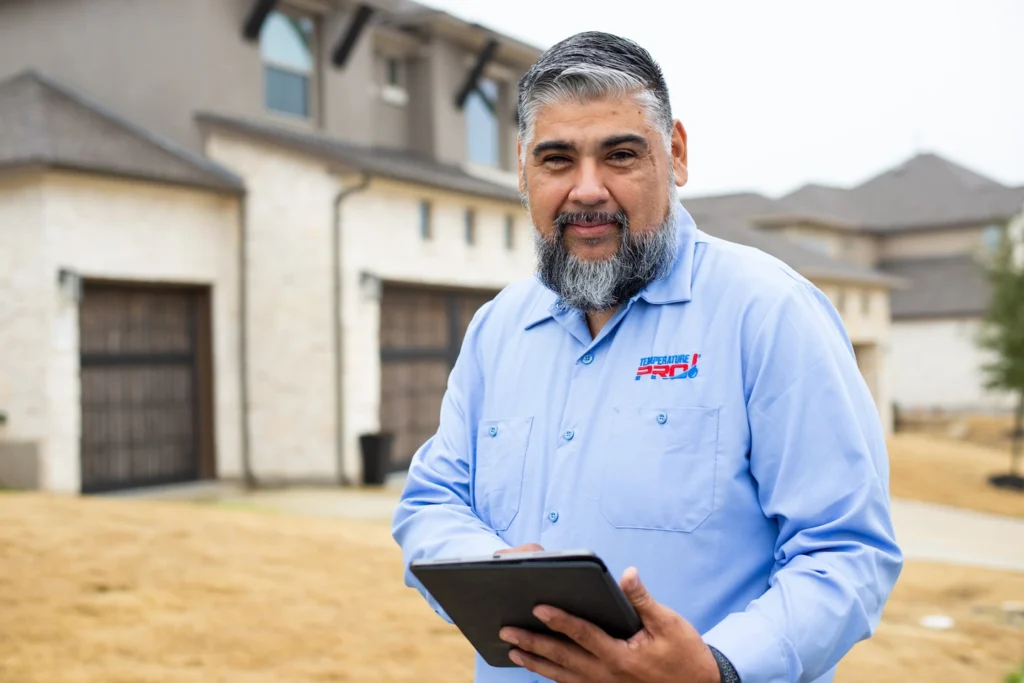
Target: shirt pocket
{"x":659,"y":469}
{"x":501,"y":446}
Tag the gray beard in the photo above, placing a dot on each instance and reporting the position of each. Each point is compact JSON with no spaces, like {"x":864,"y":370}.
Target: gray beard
{"x":598,"y":285}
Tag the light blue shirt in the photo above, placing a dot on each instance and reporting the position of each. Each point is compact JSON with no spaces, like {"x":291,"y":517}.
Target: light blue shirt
{"x":717,"y":434}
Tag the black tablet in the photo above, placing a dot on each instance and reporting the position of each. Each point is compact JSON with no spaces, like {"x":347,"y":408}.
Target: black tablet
{"x":484,"y":594}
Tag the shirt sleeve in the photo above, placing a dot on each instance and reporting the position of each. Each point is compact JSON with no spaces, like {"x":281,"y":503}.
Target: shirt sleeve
{"x":818,"y":455}
{"x":435,"y":516}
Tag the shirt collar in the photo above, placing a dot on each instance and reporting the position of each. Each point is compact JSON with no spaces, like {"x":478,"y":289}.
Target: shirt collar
{"x":673,"y":287}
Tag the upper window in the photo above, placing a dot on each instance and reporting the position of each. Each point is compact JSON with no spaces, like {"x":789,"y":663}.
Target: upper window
{"x":426,"y":228}
{"x":470,"y":225}
{"x":286,"y":48}
{"x":993,"y":238}
{"x":510,"y":232}
{"x":482,"y":125}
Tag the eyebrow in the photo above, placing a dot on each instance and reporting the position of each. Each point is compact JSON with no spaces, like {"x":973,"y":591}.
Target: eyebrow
{"x":564,"y":146}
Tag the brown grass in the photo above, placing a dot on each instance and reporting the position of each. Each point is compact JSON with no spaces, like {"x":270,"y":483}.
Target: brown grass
{"x":942,"y":470}
{"x":116,"y":591}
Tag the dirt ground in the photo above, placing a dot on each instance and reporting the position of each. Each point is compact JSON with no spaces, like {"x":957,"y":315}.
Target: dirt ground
{"x":115,"y":591}
{"x":942,"y":470}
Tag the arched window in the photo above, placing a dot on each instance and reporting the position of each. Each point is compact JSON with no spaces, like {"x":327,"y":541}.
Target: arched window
{"x":286,"y":48}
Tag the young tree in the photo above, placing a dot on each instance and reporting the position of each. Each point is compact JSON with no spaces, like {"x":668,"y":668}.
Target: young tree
{"x":1003,"y":334}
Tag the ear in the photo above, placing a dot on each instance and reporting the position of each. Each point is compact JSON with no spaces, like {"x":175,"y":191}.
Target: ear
{"x":679,"y":149}
{"x":519,"y":165}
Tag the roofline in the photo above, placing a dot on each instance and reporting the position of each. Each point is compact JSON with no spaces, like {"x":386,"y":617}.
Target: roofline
{"x":473,"y":34}
{"x":167,"y":145}
{"x":41,"y":165}
{"x":868,"y":278}
{"x":924,"y":316}
{"x":338,"y":165}
{"x":778,"y":220}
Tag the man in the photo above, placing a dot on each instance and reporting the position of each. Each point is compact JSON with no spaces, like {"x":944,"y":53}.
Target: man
{"x":687,"y":408}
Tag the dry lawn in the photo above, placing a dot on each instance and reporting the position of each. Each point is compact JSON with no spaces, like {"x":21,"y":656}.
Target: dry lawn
{"x":943,"y":470}
{"x":100,"y":590}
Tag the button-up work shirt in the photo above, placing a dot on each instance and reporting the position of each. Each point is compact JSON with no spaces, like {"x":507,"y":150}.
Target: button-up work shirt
{"x":716,"y":434}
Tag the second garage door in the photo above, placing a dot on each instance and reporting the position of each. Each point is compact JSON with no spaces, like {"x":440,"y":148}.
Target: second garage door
{"x":420,"y":336}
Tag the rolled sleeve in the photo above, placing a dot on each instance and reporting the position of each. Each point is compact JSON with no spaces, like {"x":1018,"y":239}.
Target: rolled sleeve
{"x":753,"y":648}
{"x":818,"y":456}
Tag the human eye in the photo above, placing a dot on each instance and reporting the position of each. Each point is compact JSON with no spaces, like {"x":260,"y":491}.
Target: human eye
{"x":557,"y":161}
{"x":622,"y":156}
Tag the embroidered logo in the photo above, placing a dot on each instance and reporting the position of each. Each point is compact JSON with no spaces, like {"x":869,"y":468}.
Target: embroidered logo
{"x":668,"y":367}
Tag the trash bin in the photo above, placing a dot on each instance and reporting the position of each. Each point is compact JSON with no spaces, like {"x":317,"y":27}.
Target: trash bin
{"x":376,"y":449}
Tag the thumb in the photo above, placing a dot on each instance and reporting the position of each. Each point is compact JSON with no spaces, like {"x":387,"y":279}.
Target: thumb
{"x":646,"y":607}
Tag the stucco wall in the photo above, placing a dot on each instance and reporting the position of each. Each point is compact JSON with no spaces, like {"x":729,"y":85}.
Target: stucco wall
{"x":931,"y":243}
{"x":115,"y":230}
{"x":936,"y":364}
{"x":27,"y":291}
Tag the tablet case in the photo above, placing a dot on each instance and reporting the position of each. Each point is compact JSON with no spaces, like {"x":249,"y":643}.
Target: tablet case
{"x":484,"y":594}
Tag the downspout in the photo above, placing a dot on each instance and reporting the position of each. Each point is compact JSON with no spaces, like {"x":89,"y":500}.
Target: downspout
{"x":248,"y":474}
{"x":339,"y":389}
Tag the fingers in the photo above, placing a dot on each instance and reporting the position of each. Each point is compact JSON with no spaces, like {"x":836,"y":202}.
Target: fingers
{"x":550,"y":654}
{"x":585,"y":634}
{"x":646,"y":607}
{"x":544,"y":667}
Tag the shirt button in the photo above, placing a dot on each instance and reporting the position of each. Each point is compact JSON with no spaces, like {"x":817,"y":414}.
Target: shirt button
{"x":493,"y":431}
{"x":569,"y":434}
{"x":588,"y":359}
{"x":553,"y":516}
{"x":662,"y":418}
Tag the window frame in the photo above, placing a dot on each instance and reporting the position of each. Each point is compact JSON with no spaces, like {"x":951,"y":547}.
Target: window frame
{"x":313,"y":76}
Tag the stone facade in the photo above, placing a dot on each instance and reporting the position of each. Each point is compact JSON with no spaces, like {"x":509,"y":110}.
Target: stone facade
{"x":105,"y":229}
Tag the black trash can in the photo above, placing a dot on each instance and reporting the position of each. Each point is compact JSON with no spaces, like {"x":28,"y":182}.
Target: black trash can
{"x":376,"y":449}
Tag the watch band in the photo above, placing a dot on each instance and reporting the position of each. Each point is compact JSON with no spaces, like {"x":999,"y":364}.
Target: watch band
{"x":725,"y":667}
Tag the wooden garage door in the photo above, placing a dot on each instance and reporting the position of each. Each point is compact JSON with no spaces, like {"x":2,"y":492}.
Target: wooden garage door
{"x":142,"y":389}
{"x":421,"y":332}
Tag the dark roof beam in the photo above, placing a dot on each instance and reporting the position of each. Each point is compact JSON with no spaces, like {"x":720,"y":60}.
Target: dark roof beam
{"x":257,"y":15}
{"x":473,"y":77}
{"x":348,"y":40}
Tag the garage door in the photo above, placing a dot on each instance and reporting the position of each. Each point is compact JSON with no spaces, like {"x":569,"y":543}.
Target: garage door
{"x":421,"y":332}
{"x":144,"y":386}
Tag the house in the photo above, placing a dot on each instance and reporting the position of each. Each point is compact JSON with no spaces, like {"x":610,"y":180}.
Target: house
{"x":235,"y":236}
{"x":929,"y":223}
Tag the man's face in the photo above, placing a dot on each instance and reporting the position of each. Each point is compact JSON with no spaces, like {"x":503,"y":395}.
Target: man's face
{"x":601,"y":158}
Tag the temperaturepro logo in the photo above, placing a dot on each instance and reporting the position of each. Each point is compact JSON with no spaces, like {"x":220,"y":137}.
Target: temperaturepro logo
{"x":668,"y":367}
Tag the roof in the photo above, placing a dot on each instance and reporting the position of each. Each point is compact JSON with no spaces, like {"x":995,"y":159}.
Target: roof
{"x":389,"y":163}
{"x":929,"y":191}
{"x":48,"y":123}
{"x":939,"y":287}
{"x":809,"y":263}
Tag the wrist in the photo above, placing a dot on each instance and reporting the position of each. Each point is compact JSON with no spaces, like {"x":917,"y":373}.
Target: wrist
{"x":724,"y":670}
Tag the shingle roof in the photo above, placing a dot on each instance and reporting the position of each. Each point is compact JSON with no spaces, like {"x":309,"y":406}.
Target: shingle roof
{"x":939,"y":287}
{"x":45,"y":122}
{"x":734,"y":227}
{"x":390,"y":163}
{"x":925,"y":192}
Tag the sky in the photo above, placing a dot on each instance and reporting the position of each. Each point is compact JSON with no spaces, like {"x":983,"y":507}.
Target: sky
{"x":775,"y":94}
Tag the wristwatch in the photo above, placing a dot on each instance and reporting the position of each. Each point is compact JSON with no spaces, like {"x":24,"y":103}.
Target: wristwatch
{"x":725,"y":668}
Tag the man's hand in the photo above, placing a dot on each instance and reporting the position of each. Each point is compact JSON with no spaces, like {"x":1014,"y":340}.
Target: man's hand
{"x":668,"y":648}
{"x":528,"y":548}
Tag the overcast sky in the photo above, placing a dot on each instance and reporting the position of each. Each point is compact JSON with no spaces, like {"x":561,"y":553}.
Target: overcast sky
{"x":775,"y":94}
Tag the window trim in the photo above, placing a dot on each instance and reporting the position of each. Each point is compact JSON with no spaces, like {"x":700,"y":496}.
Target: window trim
{"x":314,"y":76}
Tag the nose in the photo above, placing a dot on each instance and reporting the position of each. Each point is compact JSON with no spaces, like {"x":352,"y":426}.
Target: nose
{"x":588,"y":189}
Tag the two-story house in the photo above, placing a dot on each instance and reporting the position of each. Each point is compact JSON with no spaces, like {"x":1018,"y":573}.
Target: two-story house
{"x":929,"y":223}
{"x":237,"y":235}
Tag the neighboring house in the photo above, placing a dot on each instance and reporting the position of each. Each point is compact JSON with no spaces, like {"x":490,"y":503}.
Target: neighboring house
{"x":237,"y":235}
{"x":931,"y":224}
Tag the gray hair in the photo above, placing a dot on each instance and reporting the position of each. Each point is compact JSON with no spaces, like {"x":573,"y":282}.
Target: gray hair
{"x":589,"y":66}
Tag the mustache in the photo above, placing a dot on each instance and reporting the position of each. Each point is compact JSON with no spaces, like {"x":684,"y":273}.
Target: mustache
{"x":591,"y":218}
